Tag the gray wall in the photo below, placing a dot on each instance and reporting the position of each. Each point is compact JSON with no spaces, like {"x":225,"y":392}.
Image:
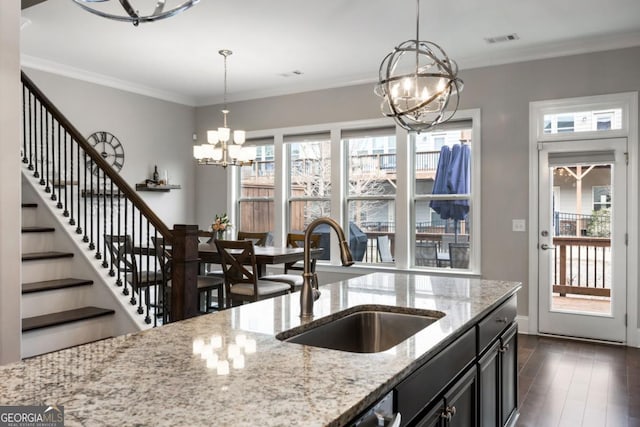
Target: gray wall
{"x":152,"y":132}
{"x":10,"y":100}
{"x":502,"y":93}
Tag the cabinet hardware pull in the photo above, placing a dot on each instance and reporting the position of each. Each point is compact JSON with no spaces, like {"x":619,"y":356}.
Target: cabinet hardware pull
{"x":504,"y":348}
{"x":452,"y":410}
{"x":502,"y":320}
{"x":446,"y":414}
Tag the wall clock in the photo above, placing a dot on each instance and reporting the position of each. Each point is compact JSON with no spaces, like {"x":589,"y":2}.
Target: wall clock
{"x":109,"y":147}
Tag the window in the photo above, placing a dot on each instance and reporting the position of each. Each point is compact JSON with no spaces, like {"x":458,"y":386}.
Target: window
{"x":370,"y":189}
{"x":309,"y":172}
{"x":374,"y":179}
{"x":582,"y":121}
{"x":601,"y":197}
{"x":443,"y":193}
{"x":257,"y":184}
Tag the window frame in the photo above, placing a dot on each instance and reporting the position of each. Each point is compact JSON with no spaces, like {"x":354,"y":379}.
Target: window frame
{"x":473,"y":197}
{"x":404,"y":198}
{"x":288,"y":139}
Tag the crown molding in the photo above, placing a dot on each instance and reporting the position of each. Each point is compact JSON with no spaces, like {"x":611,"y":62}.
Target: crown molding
{"x":552,"y":50}
{"x":103,"y":80}
{"x":500,"y":57}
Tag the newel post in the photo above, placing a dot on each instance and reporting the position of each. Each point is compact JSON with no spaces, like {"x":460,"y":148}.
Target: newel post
{"x":184,"y":288}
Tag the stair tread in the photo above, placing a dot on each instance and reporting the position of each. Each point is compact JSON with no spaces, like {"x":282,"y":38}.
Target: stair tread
{"x":29,"y":205}
{"x":30,"y":256}
{"x":37,"y":229}
{"x":50,"y":285}
{"x":63,"y":317}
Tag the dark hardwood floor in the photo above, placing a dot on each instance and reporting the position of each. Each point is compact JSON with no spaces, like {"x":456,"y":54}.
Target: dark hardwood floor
{"x":573,"y":383}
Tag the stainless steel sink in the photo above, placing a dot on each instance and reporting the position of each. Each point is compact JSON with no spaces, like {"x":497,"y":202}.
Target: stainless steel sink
{"x":362,"y":329}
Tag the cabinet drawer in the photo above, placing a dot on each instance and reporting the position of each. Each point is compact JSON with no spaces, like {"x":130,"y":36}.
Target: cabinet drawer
{"x":496,"y":322}
{"x":420,"y":388}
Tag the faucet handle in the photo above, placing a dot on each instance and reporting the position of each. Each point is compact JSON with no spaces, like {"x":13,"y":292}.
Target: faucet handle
{"x":316,"y":294}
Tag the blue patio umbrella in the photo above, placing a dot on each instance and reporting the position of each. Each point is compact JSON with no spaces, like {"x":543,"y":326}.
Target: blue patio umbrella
{"x":440,"y":182}
{"x":453,"y":177}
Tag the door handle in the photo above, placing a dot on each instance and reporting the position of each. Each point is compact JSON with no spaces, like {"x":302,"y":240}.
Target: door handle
{"x":546,"y":247}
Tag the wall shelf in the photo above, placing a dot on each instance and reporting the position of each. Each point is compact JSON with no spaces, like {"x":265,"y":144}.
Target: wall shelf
{"x":151,"y":187}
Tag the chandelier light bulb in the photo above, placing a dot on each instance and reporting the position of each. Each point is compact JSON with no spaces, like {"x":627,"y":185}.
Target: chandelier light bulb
{"x":212,"y":137}
{"x":223,"y":134}
{"x":239,"y":136}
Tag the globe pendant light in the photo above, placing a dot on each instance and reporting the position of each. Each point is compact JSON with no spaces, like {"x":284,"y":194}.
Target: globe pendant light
{"x":419,"y":84}
{"x":130,"y":14}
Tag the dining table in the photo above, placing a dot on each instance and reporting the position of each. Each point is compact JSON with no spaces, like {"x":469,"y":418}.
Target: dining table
{"x":265,"y":255}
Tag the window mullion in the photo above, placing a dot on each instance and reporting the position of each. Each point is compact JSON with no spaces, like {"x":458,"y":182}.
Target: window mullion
{"x":280,"y":210}
{"x":403,"y":237}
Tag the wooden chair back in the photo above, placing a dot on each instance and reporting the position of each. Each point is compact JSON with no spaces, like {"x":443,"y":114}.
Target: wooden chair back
{"x":258,"y":238}
{"x":296,"y":240}
{"x":238,"y":260}
{"x":122,"y":258}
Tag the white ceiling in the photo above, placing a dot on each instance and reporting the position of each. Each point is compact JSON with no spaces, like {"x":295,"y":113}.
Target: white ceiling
{"x":332,"y":42}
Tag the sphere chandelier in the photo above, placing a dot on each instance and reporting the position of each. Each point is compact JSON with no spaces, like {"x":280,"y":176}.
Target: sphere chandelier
{"x":133,"y":15}
{"x":419,"y":84}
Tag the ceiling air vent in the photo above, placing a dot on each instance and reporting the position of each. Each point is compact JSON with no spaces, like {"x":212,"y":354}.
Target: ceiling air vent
{"x":500,"y":39}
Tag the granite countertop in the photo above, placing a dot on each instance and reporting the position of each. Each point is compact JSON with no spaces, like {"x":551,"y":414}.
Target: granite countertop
{"x":160,"y":376}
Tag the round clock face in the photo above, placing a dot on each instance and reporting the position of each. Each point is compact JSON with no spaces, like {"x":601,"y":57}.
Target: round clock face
{"x":109,"y":147}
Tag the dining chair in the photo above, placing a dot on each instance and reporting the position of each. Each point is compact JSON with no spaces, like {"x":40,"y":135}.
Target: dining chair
{"x":206,"y":283}
{"x":259,"y":238}
{"x":124,"y":261}
{"x":209,"y":269}
{"x":384,"y":248}
{"x":238,"y":259}
{"x":296,"y":240}
{"x":459,"y":255}
{"x":427,"y":254}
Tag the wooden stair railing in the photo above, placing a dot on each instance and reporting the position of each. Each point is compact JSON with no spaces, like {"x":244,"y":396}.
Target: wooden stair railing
{"x":100,"y":203}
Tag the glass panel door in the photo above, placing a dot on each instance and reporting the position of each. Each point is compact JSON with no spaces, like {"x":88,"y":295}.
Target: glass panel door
{"x":582,"y":239}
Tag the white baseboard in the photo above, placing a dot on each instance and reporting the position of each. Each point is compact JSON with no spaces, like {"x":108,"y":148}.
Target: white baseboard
{"x":525,"y":328}
{"x":523,"y":325}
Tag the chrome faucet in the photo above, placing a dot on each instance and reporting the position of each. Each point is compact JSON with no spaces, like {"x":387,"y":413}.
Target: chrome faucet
{"x":310,"y":292}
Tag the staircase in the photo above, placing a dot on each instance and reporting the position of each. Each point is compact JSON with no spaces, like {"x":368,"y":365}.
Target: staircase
{"x":56,"y":307}
{"x":76,"y":287}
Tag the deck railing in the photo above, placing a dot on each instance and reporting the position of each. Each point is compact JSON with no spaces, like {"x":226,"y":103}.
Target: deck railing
{"x":582,"y":266}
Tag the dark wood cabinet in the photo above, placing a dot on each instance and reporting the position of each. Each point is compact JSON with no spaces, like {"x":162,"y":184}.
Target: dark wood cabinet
{"x":509,"y":375}
{"x":488,"y":390}
{"x":457,"y":407}
{"x":428,"y":383}
{"x":472,"y":382}
{"x":498,"y":375}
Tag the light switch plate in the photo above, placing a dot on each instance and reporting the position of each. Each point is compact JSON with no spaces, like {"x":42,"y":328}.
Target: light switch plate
{"x":519,"y":225}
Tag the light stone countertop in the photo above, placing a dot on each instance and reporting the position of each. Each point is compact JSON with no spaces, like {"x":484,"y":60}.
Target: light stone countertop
{"x":154,"y":378}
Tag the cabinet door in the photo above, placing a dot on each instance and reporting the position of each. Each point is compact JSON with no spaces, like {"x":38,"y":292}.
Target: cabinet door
{"x":461,"y":401}
{"x":489,"y":387}
{"x":433,"y":418}
{"x":509,"y":373}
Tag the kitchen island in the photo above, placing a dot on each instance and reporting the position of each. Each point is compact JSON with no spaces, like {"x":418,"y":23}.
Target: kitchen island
{"x":228,"y":368}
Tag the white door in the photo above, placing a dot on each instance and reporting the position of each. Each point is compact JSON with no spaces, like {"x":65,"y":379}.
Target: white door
{"x":582,"y":238}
